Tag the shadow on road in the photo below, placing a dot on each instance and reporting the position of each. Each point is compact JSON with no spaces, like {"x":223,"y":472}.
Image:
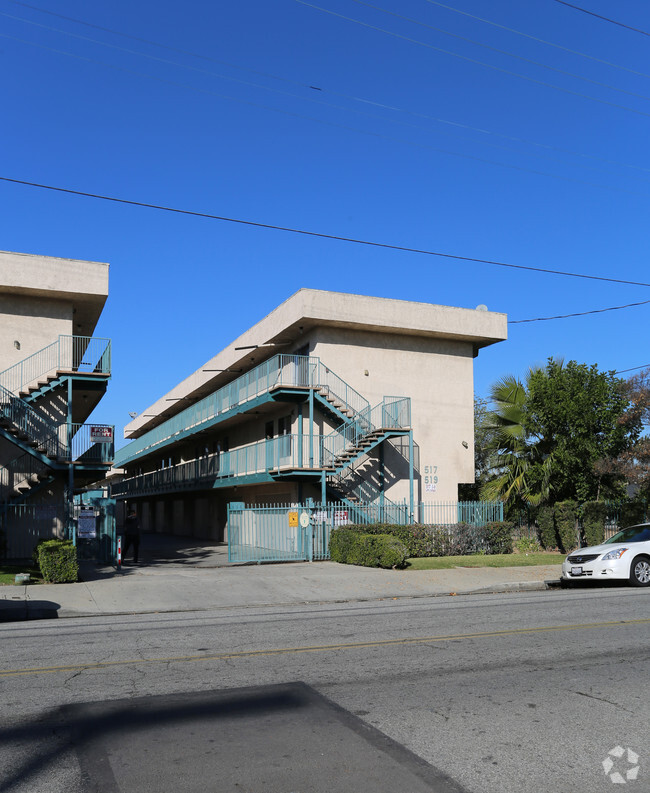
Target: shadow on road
{"x":273,"y":738}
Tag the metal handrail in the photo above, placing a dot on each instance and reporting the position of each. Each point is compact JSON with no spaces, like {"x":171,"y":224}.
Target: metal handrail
{"x":267,"y":456}
{"x":29,"y":422}
{"x":19,"y":470}
{"x":392,"y":413}
{"x":302,"y":371}
{"x":81,"y":354}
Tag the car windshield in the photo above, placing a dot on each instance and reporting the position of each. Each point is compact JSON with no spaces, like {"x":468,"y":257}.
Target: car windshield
{"x":631,"y":534}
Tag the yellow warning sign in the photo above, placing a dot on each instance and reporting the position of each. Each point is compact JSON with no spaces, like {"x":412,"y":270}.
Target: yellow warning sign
{"x":293,"y":519}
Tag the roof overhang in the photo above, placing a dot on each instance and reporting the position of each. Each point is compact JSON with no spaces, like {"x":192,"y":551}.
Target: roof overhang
{"x":83,"y":284}
{"x":284,"y":328}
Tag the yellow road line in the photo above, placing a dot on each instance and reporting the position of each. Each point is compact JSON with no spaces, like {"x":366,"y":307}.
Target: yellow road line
{"x":320,"y":648}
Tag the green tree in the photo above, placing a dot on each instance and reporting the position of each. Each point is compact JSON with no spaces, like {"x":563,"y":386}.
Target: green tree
{"x":517,"y":473}
{"x":562,"y":435}
{"x":575,"y":417}
{"x":632,"y":464}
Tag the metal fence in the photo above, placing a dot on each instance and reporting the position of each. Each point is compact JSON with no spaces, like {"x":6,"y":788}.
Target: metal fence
{"x":83,"y":354}
{"x":301,"y":532}
{"x":23,"y":525}
{"x":615,"y":520}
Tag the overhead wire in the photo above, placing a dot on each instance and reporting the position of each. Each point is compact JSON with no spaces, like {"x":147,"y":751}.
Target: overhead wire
{"x":348,"y":128}
{"x":475,"y":61}
{"x":579,"y":313}
{"x":563,"y":72}
{"x":322,"y":235}
{"x":362,"y":100}
{"x":534,"y":38}
{"x":606,"y":19}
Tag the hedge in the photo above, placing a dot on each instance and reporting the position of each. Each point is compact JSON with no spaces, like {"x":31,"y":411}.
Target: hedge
{"x":57,"y":560}
{"x":594,"y":514}
{"x":461,"y":539}
{"x":566,"y":513}
{"x":369,"y":550}
{"x":546,"y":525}
{"x":633,"y":512}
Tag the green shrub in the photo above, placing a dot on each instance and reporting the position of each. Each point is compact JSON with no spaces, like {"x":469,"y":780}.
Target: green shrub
{"x":57,"y":560}
{"x":419,"y":540}
{"x":369,"y":550}
{"x":341,"y":541}
{"x":527,"y":545}
{"x":546,"y":525}
{"x":633,"y":512}
{"x":594,"y":514}
{"x":497,"y":537}
{"x":565,"y":522}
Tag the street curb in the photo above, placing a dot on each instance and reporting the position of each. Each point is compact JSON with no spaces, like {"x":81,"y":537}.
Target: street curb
{"x":495,"y":589}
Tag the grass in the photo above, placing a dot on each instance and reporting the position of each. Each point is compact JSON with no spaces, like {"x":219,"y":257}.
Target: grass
{"x":479,"y":560}
{"x":8,"y":574}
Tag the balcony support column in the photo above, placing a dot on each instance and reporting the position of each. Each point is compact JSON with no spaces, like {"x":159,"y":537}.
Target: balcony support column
{"x":311,"y":427}
{"x":411,"y":505}
{"x":70,"y":532}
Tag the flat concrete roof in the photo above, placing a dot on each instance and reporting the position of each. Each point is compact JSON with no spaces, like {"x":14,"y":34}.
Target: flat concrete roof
{"x":310,"y":308}
{"x":83,"y":283}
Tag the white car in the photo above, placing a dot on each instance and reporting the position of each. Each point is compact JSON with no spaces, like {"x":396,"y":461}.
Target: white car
{"x":626,"y":556}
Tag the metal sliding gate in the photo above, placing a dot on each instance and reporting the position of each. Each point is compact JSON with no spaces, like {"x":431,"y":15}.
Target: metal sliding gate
{"x":301,"y":532}
{"x":283,"y":533}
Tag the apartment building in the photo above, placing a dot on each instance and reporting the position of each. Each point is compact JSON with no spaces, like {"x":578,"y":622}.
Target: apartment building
{"x":331,"y":396}
{"x":53,"y":373}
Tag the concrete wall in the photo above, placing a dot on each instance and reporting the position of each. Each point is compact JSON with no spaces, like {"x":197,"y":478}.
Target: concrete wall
{"x":437,"y":375}
{"x":32,"y":322}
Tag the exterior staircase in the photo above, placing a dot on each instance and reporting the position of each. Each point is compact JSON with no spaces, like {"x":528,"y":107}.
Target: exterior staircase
{"x":28,"y":428}
{"x":48,"y":447}
{"x":23,"y":476}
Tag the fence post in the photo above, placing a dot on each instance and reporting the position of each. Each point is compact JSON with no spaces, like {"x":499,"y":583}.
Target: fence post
{"x":411,"y":474}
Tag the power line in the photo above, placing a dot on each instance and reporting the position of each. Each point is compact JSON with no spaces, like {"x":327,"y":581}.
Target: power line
{"x":563,"y":72}
{"x":348,"y":128}
{"x":296,"y":83}
{"x":633,"y":369}
{"x":402,"y":248}
{"x":579,"y":314}
{"x":606,"y":19}
{"x":471,"y":60}
{"x":534,"y":38}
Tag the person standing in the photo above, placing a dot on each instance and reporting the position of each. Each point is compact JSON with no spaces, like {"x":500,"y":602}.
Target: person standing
{"x":131,"y":535}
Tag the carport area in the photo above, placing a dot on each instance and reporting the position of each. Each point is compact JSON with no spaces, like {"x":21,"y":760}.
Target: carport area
{"x":172,"y":551}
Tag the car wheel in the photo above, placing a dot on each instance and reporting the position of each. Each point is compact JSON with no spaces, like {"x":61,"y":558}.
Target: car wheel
{"x":640,"y":571}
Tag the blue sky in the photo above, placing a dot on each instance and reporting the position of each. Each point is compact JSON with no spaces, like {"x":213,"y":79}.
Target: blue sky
{"x":364,"y":120}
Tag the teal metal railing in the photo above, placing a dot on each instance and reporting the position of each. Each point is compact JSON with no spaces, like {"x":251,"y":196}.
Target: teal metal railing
{"x":327,"y":381}
{"x":27,"y":424}
{"x":88,"y":443}
{"x":81,"y":354}
{"x":62,"y":442}
{"x":476,"y":513}
{"x":269,"y":456}
{"x":299,"y":371}
{"x":24,"y":468}
{"x":392,"y":413}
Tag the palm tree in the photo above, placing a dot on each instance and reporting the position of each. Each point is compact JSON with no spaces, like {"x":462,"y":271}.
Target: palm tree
{"x":518,"y":473}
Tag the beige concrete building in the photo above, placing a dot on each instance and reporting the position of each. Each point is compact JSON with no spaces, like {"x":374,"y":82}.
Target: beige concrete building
{"x":331,"y":396}
{"x":53,"y":373}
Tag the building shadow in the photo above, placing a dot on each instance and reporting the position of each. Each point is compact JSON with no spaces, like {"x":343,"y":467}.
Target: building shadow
{"x":21,"y":609}
{"x":276,"y":737}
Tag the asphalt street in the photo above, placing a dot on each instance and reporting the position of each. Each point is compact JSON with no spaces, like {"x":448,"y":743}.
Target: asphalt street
{"x":483,"y":693}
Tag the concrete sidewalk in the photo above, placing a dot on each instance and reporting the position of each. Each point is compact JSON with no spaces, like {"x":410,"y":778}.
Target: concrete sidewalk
{"x":168,"y":585}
